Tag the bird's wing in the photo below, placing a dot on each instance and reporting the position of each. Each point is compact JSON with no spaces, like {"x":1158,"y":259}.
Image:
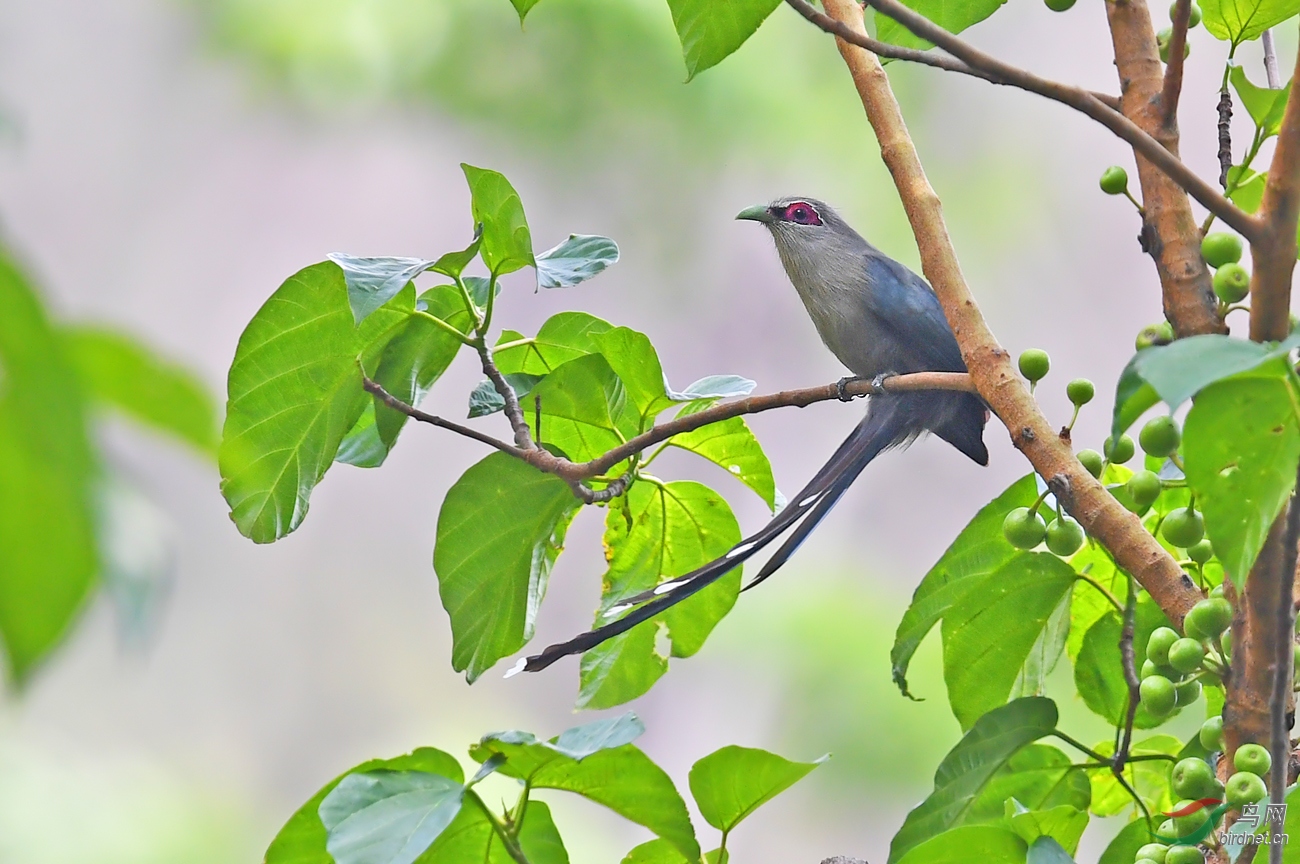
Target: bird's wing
{"x":907,"y":307}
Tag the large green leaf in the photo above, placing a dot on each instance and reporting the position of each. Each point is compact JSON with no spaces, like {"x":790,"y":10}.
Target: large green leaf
{"x":471,"y":838}
{"x":990,"y":632}
{"x":711,"y":31}
{"x":1099,"y":670}
{"x":731,"y":783}
{"x":1150,"y":777}
{"x":952,"y":15}
{"x":302,"y":840}
{"x":583,"y":407}
{"x":1039,"y":776}
{"x":388,"y":817}
{"x":507,"y":245}
{"x":732,"y":446}
{"x":47,"y":474}
{"x":294,"y":392}
{"x":660,"y":532}
{"x":636,"y":362}
{"x":372,"y":282}
{"x":988,"y":844}
{"x":581,"y":257}
{"x":500,"y":530}
{"x":656,"y":851}
{"x":621,"y":778}
{"x":1087,"y":604}
{"x":1241,"y":443}
{"x":1264,"y":105}
{"x":563,"y":337}
{"x":967,"y":769}
{"x":1238,"y":21}
{"x":122,"y":373}
{"x":978,"y":550}
{"x":1063,"y":825}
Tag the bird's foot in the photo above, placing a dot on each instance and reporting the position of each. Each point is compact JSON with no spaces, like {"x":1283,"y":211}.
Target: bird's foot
{"x":841,"y":388}
{"x":879,"y":381}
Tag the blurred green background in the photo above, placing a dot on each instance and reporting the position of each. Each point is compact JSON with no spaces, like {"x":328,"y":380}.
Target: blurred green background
{"x":166,"y":164}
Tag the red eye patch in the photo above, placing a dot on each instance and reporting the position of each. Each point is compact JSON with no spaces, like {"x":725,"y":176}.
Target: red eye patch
{"x":801,"y":213}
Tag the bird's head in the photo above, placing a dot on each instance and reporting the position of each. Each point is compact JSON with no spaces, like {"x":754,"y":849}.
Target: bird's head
{"x":808,"y":233}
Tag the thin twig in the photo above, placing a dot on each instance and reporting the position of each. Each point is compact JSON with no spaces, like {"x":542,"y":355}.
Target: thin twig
{"x":1130,"y":676}
{"x":1225,"y":135}
{"x":1270,"y":60}
{"x":1283,"y":676}
{"x":377,"y":389}
{"x":515,"y":414}
{"x":897,"y":52}
{"x":1173,"y":83}
{"x":1075,"y":97}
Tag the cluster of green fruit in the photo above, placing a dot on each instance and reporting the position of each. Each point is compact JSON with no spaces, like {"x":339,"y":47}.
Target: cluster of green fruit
{"x":1175,"y":664}
{"x":1231,"y":281}
{"x":1163,"y":37}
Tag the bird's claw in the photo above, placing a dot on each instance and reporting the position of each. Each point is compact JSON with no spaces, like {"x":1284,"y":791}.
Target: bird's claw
{"x":879,"y":381}
{"x":841,"y":386}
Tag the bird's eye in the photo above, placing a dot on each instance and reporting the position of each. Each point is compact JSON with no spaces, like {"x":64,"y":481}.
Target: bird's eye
{"x":802,"y":214}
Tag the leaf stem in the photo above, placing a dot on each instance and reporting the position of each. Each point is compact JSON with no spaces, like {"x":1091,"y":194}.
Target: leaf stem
{"x":420,"y":313}
{"x":510,"y":843}
{"x":1083,"y":577}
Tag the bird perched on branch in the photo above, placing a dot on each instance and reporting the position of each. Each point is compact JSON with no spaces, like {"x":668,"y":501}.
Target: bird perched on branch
{"x":880,"y":319}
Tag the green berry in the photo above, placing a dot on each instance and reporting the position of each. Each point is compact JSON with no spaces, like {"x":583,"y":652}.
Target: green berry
{"x":1225,"y":644}
{"x":1253,"y":758}
{"x":1160,"y":436}
{"x":1192,"y":821}
{"x":1232,"y":283}
{"x":1080,"y":391}
{"x":1091,"y":460}
{"x":1168,"y":829}
{"x":1193,"y":18}
{"x":1023,"y":529}
{"x":1034,"y":364}
{"x":1193,"y":778}
{"x":1211,"y":734}
{"x":1186,"y":655}
{"x":1217,"y":590}
{"x":1200,"y":553}
{"x":1245,"y":787}
{"x":1059,"y":5}
{"x":1184,"y":854}
{"x":1149,"y":668}
{"x":1121,"y":452}
{"x":1114,"y":180}
{"x":1208,"y":618}
{"x":1159,"y":643}
{"x":1064,"y":537}
{"x":1153,"y":852}
{"x":1154,"y":334}
{"x":1144,"y":488}
{"x":1186,"y":693}
{"x":1221,"y":248}
{"x":1183,"y":527}
{"x":1157,"y":696}
{"x":1162,"y":42}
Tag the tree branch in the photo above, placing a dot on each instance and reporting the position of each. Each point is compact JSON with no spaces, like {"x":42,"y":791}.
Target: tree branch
{"x":897,"y":52}
{"x":1273,"y":253}
{"x":990,"y":366}
{"x":1173,"y":83}
{"x":1170,"y":234}
{"x":1270,"y":60}
{"x":1129,"y":662}
{"x":1279,"y":742}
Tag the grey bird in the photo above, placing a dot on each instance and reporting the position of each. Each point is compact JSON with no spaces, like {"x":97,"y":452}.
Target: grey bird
{"x":880,"y":319}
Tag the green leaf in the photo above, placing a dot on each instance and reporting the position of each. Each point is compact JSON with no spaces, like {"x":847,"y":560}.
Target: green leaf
{"x":582,"y":403}
{"x":454,"y":263}
{"x":661,"y":532}
{"x":1038,"y":776}
{"x":1241,"y":442}
{"x":1265,"y":106}
{"x":564,"y":337}
{"x":1046,"y":850}
{"x":120,"y":372}
{"x":952,"y":15}
{"x":731,"y":783}
{"x":1087,"y":604}
{"x":471,"y":837}
{"x":1123,"y":848}
{"x":1248,"y":192}
{"x":622,"y":779}
{"x":581,"y":257}
{"x":1133,"y":397}
{"x":47,"y":475}
{"x":711,"y":31}
{"x":967,"y":769}
{"x":387,"y":817}
{"x":1044,"y":654}
{"x":1150,"y":777}
{"x":302,"y":839}
{"x":500,"y":530}
{"x":634,"y":359}
{"x":485,"y":399}
{"x":580,"y":742}
{"x":989,"y":633}
{"x":507,"y":245}
{"x":1180,"y":369}
{"x":655,"y":851}
{"x":294,"y":391}
{"x":1099,"y":669}
{"x":1063,"y":825}
{"x":978,"y":550}
{"x":1238,"y":21}
{"x":372,"y":282}
{"x":988,"y":844}
{"x":732,"y":446}
{"x":714,"y":387}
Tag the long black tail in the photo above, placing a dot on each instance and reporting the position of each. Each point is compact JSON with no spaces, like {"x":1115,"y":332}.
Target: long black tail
{"x":888,"y":423}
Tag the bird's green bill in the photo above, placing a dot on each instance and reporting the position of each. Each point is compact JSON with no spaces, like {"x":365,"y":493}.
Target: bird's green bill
{"x":757,"y":213}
